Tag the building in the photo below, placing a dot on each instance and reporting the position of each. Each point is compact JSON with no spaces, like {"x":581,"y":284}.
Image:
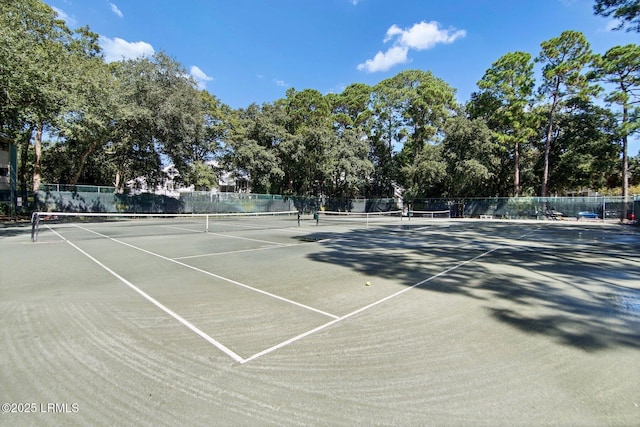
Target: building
{"x":228,"y":182}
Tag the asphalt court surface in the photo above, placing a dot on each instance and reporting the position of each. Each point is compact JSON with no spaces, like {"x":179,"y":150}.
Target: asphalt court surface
{"x":173,"y":269}
{"x":298,"y":299}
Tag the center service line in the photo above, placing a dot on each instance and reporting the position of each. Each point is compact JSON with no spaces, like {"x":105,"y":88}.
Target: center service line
{"x":278,"y":297}
{"x":373,"y":304}
{"x":155,"y":302}
{"x":226,"y":235}
{"x":360,"y":310}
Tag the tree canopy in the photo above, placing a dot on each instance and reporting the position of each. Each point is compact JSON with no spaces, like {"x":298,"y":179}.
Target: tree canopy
{"x":626,"y":11}
{"x":80,"y":120}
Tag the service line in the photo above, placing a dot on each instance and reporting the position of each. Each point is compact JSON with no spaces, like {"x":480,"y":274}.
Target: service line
{"x":155,"y":302}
{"x":373,"y":304}
{"x":208,"y":273}
{"x":263,"y":248}
{"x":226,"y":235}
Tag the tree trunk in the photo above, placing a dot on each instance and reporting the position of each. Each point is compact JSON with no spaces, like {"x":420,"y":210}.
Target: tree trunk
{"x":24,"y":157}
{"x":82,"y":161}
{"x":516,"y":176}
{"x":37,"y":168}
{"x":625,"y":158}
{"x":547,"y":144}
{"x":547,"y":151}
{"x":116,"y":182}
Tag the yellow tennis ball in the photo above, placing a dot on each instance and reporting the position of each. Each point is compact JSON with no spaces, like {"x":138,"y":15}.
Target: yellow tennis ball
{"x":368,"y":283}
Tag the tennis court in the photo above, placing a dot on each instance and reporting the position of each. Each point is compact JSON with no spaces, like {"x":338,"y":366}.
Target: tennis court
{"x":341,"y":321}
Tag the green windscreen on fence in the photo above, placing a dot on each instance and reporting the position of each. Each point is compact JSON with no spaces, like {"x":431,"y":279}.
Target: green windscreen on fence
{"x":531,"y":207}
{"x":59,"y":198}
{"x":188,"y":202}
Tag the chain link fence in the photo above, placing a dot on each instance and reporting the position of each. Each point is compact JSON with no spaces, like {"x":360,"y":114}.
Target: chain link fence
{"x":98,"y":200}
{"x":533,"y":207}
{"x":104,"y":199}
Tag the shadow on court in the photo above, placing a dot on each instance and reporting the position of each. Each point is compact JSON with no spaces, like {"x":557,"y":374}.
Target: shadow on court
{"x":10,"y":229}
{"x":577,"y":285}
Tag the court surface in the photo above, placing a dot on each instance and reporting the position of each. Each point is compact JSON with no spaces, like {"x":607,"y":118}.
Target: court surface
{"x":422,"y":322}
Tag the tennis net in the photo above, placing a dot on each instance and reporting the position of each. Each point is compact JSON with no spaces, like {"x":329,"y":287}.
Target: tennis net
{"x":133,"y":224}
{"x":358,"y":218}
{"x":444,"y":214}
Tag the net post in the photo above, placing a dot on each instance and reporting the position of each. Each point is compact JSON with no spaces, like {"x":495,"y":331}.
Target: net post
{"x":35,"y":226}
{"x":206,"y":223}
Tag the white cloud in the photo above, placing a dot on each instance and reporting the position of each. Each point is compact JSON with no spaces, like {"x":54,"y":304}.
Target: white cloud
{"x":117,"y":49}
{"x":66,"y":18}
{"x":421,"y":36}
{"x":281,"y":83}
{"x":115,"y":9}
{"x":424,"y":35}
{"x":385,"y":60}
{"x":612,"y":25}
{"x":200,"y":77}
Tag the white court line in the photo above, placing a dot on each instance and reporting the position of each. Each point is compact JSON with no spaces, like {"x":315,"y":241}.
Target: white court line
{"x":247,"y":238}
{"x":285,"y":343}
{"x":229,"y":252}
{"x":366,"y":307}
{"x":373,"y":304}
{"x":247,"y":250}
{"x":171,"y":313}
{"x":208,"y":273}
{"x":226,"y":235}
{"x":248,"y":226}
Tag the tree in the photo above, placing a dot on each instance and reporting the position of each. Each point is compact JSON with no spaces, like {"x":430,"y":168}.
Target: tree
{"x":470,"y":157}
{"x":202,"y":176}
{"x":34,"y":46}
{"x":347,"y":167}
{"x":409,"y":110}
{"x":304,"y":149}
{"x":162,"y":117}
{"x":563,"y":60}
{"x":426,"y":174}
{"x":386,"y":129}
{"x":620,"y":68}
{"x":217,"y":126}
{"x":627,"y":11}
{"x":86,"y":122}
{"x":131,"y":146}
{"x":252,"y":147}
{"x":634,"y":169}
{"x":505,"y":96}
{"x":585,"y":153}
{"x":350,"y":109}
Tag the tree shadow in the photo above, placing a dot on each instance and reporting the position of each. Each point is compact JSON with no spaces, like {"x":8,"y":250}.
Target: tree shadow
{"x":83,"y":202}
{"x":14,"y":228}
{"x":559,"y":281}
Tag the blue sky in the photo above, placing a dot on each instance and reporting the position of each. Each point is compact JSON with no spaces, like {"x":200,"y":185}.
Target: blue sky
{"x":246,"y":51}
